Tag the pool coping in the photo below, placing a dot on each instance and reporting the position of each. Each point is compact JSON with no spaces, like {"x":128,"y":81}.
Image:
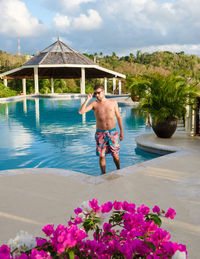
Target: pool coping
{"x":56,"y":96}
{"x":155,"y":148}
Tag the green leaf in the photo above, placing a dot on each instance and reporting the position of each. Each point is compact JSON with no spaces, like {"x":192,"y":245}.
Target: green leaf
{"x":151,"y":245}
{"x":71,"y":254}
{"x":154,"y":218}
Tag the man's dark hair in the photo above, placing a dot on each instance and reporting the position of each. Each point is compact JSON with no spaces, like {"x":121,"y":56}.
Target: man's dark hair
{"x":98,"y":86}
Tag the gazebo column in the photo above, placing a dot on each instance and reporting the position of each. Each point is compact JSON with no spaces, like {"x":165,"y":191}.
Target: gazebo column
{"x":36,"y":83}
{"x":37,"y":111}
{"x":82,"y":80}
{"x":120,"y":87}
{"x":24,"y":85}
{"x":52,"y":86}
{"x":105,"y":85}
{"x":114,"y":84}
{"x":24,"y":105}
{"x":5,"y":81}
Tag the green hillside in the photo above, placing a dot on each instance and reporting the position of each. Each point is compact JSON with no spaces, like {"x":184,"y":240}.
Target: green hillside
{"x":164,"y":62}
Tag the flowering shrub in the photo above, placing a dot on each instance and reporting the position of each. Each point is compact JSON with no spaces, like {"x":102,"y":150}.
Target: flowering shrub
{"x":112,"y":230}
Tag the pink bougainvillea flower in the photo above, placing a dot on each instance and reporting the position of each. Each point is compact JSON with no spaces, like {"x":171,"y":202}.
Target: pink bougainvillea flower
{"x":69,"y":223}
{"x":125,"y":205}
{"x":106,"y":207}
{"x":41,"y":241}
{"x":80,"y":234}
{"x":143,"y":209}
{"x":171,"y":213}
{"x":23,"y":256}
{"x":182,"y":248}
{"x":48,"y":229}
{"x":5,"y":252}
{"x":156,"y":209}
{"x":160,"y":236}
{"x":78,"y":211}
{"x":77,"y":220}
{"x":117,"y":205}
{"x":131,"y":208}
{"x":107,"y":227}
{"x":94,"y":205}
{"x":35,"y":254}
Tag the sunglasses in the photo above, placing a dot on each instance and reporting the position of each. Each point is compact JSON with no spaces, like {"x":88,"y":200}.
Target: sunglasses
{"x":95,"y":93}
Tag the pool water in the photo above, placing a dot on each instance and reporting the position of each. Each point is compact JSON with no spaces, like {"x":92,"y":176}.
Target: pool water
{"x":50,"y":133}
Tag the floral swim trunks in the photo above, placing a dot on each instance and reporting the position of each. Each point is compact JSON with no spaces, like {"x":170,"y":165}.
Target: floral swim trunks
{"x":107,"y":142}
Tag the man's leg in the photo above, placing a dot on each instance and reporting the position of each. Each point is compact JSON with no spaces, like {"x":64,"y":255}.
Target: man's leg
{"x":102,"y":162}
{"x":116,"y":161}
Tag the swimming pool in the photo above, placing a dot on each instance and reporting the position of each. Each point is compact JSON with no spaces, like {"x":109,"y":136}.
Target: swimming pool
{"x":48,"y":132}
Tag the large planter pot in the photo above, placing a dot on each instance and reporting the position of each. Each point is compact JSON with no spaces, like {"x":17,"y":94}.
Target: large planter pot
{"x":134,"y":98}
{"x":164,"y":129}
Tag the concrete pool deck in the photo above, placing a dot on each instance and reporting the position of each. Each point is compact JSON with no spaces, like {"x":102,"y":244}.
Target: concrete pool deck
{"x":31,"y":198}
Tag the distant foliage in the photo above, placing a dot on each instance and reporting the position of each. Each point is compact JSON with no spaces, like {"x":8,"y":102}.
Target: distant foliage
{"x":162,"y":62}
{"x":9,"y":61}
{"x":5,"y":91}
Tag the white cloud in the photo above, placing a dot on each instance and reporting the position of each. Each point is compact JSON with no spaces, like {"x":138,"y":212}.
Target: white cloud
{"x":61,"y":22}
{"x":91,"y":22}
{"x":110,"y":25}
{"x":155,"y":15}
{"x":16,"y":20}
{"x":71,"y":5}
{"x":66,"y":6}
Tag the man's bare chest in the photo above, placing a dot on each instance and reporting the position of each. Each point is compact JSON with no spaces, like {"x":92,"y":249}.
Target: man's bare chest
{"x":104,"y":109}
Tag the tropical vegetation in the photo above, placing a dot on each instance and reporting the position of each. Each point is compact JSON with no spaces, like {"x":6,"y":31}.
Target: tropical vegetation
{"x":6,"y":91}
{"x":164,"y":63}
{"x":163,"y":97}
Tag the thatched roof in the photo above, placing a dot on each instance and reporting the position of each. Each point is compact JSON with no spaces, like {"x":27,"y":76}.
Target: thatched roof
{"x":60,"y":61}
{"x":59,"y":53}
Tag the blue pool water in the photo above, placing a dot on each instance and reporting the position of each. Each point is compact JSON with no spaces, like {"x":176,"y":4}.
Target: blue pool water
{"x":50,"y":133}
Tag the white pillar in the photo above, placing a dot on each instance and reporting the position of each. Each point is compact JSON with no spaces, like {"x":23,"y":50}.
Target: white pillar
{"x":37,"y":112}
{"x":82,"y":80}
{"x":190,"y":119}
{"x":24,"y":105}
{"x":193,"y":122}
{"x":24,"y":85}
{"x":6,"y":110}
{"x":105,"y":85}
{"x":114,"y":84}
{"x":120,"y":87}
{"x":83,"y":115}
{"x":5,"y":81}
{"x":36,"y":83}
{"x":52,"y":86}
{"x":187,"y":119}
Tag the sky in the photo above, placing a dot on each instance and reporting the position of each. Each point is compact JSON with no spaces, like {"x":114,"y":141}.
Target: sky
{"x":107,"y":26}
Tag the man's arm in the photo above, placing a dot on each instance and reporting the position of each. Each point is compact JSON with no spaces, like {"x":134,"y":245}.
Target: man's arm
{"x":119,"y":121}
{"x":84,"y":108}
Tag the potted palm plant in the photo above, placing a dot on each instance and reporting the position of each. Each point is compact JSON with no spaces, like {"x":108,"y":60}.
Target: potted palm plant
{"x":164,"y":98}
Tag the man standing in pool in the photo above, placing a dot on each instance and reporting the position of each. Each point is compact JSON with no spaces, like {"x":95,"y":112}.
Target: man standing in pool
{"x":106,"y":135}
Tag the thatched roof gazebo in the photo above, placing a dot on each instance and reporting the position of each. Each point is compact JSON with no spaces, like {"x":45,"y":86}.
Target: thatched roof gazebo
{"x":60,"y":61}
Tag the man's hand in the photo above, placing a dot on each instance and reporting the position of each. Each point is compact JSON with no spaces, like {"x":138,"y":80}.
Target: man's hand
{"x":89,"y":97}
{"x":84,"y":107}
{"x":121,"y":136}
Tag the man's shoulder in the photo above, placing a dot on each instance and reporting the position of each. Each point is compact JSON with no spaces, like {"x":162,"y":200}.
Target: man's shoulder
{"x":94,"y":103}
{"x":112,"y":101}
